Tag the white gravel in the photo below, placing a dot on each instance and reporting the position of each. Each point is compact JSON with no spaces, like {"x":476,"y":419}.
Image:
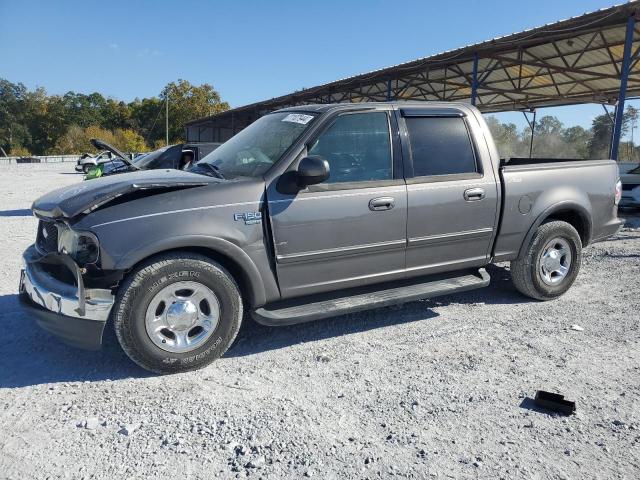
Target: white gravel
{"x":437,"y":389}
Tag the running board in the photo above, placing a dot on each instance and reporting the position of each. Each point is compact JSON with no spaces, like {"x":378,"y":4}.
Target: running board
{"x":307,"y":309}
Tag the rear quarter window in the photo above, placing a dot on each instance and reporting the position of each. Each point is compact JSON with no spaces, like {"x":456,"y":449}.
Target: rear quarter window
{"x":440,"y":146}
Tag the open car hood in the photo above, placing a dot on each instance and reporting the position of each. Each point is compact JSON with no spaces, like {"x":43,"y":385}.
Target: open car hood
{"x":68,"y":202}
{"x":100,"y":145}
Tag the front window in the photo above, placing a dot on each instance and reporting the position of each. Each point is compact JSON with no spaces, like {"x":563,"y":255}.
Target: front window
{"x":357,"y":147}
{"x":255,"y":149}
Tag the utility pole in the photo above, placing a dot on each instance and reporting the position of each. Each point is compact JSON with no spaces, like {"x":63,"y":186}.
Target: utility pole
{"x":166,"y":99}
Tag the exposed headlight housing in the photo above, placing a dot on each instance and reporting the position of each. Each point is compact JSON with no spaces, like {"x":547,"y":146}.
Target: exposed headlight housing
{"x":83,"y":247}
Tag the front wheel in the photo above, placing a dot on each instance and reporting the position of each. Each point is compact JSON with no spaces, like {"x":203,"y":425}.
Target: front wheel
{"x":86,"y":167}
{"x":177,"y":312}
{"x":550,"y":263}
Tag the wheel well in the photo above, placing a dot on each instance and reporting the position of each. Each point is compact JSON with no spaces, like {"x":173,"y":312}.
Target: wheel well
{"x":238,"y":274}
{"x":576,"y":220}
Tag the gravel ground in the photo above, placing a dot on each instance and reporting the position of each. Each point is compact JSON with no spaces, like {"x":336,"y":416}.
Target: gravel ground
{"x":430,"y":389}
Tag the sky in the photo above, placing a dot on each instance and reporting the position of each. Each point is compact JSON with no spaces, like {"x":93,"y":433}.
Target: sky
{"x":250,"y":50}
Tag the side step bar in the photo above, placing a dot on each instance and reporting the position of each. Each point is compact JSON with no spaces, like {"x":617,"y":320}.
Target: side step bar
{"x":307,"y":309}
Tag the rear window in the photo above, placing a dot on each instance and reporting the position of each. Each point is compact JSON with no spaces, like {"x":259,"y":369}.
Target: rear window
{"x":440,"y":146}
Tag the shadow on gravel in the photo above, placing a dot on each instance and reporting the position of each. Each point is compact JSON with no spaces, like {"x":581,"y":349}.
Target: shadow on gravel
{"x":23,"y":212}
{"x":616,"y":255}
{"x":499,"y":292}
{"x":622,"y":237}
{"x":530,"y":404}
{"x":254,"y":338}
{"x":30,"y":356}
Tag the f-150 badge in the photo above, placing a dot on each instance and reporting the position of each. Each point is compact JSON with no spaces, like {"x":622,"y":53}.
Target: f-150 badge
{"x":249,"y":218}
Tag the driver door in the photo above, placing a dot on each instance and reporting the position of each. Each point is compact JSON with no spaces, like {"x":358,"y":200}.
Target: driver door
{"x":351,"y":229}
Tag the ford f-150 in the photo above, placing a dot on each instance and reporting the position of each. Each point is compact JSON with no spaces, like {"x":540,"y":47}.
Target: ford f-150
{"x":310,"y":212}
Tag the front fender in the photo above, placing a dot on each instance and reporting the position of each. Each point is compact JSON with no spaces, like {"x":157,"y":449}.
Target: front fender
{"x":218,"y":246}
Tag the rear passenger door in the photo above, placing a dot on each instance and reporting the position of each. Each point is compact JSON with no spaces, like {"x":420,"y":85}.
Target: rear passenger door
{"x":452,"y":200}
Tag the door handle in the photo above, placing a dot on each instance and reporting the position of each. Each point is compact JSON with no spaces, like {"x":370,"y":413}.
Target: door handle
{"x":382,"y":203}
{"x":474,"y":194}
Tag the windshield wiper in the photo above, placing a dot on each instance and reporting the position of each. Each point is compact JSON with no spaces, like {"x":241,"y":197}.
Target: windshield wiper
{"x":216,"y":171}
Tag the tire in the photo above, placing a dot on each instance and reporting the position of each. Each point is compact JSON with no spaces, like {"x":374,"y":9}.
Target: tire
{"x":530,"y":273}
{"x":149,"y":295}
{"x":86,"y":167}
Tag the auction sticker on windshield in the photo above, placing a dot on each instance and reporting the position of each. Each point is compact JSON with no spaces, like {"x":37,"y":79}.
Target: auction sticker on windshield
{"x":298,"y":118}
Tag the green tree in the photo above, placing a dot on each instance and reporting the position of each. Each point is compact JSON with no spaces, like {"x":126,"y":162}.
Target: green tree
{"x":129,"y":140}
{"x":601,"y":130}
{"x":505,"y":136}
{"x":13,"y":133}
{"x":146,"y":118}
{"x":115,"y":114}
{"x":577,"y":139}
{"x":44,"y":119}
{"x":187,"y":102}
{"x":83,"y":110}
{"x":78,"y":139}
{"x":40,"y":123}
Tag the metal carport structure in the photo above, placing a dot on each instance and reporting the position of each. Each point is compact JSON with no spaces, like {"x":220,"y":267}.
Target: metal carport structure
{"x":591,"y":58}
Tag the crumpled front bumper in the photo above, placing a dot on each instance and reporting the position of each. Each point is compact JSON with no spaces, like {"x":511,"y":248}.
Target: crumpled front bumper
{"x":73,"y":313}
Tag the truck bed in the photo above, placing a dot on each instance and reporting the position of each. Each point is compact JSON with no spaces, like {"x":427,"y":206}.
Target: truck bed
{"x":571,"y":189}
{"x":516,"y":161}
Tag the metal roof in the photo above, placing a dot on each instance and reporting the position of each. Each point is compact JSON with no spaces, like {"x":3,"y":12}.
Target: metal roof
{"x":577,"y":60}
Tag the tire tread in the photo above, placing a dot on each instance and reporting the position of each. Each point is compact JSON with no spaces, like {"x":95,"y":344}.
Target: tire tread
{"x":129,"y":289}
{"x":523,"y":267}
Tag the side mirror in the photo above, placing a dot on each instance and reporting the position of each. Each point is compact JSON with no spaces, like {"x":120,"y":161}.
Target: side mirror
{"x":312,"y":170}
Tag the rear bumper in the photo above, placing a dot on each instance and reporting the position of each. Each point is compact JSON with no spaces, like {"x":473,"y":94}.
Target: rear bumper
{"x":609,"y":229}
{"x":74,"y":314}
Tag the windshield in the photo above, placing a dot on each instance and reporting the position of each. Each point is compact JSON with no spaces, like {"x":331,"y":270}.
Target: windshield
{"x":255,"y":149}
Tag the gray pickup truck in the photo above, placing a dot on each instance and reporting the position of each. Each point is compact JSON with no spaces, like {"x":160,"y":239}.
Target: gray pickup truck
{"x":310,"y":212}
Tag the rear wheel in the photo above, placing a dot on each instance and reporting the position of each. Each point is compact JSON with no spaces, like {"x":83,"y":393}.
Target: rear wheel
{"x":177,"y":312}
{"x":86,"y":167}
{"x":550,"y":264}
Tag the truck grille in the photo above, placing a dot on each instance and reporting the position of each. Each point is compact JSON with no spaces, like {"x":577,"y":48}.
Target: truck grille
{"x":47,"y":238}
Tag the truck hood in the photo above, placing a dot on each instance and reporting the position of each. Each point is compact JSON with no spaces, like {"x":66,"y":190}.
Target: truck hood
{"x":73,"y":200}
{"x":100,"y":145}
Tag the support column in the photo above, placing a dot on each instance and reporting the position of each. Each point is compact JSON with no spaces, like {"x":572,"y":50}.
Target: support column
{"x":532,"y":126}
{"x":624,"y":76}
{"x":389,"y":90}
{"x":474,"y":80}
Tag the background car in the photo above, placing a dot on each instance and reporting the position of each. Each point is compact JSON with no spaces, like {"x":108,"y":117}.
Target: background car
{"x":87,"y":161}
{"x":630,"y":178}
{"x":179,"y":157}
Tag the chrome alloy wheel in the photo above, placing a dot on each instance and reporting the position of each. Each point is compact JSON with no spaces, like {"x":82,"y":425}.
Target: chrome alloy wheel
{"x":182,"y":316}
{"x":555,"y":261}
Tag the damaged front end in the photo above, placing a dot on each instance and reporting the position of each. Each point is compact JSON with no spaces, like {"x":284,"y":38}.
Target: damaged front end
{"x":56,"y":285}
{"x":67,"y":281}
